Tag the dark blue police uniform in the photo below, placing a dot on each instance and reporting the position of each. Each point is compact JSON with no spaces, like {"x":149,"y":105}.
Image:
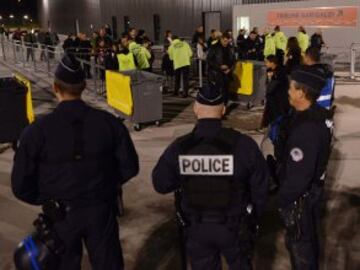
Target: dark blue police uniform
{"x":302,"y":151}
{"x":220,"y":172}
{"x":79,"y":156}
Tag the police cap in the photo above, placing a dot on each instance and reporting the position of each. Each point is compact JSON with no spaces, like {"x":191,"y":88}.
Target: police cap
{"x":69,"y":70}
{"x":311,"y":77}
{"x":210,"y":95}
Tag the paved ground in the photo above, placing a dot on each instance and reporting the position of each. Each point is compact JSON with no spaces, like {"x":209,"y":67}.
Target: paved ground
{"x":148,"y":232}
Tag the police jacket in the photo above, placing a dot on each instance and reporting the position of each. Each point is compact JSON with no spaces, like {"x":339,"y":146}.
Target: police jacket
{"x":75,"y":154}
{"x":249,"y":167}
{"x":327,"y":94}
{"x":303,"y":152}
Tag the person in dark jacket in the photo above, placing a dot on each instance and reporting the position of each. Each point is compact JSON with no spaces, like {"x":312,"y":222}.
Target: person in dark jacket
{"x":241,"y":44}
{"x":213,"y":39}
{"x":78,"y":156}
{"x":71,"y":43}
{"x":253,"y":47}
{"x":302,"y":151}
{"x":198,"y":33}
{"x":222,"y":178}
{"x":168,"y":39}
{"x":84,"y":52}
{"x":31,"y":43}
{"x":277,"y":85}
{"x":293,"y":57}
{"x":317,"y":40}
{"x":221,"y":63}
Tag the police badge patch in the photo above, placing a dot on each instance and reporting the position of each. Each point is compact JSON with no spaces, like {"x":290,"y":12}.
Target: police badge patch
{"x":297,"y":154}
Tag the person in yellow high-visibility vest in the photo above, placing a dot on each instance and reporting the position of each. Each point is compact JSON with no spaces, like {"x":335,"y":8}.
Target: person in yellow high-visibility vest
{"x":280,"y":43}
{"x":144,"y":55}
{"x":125,"y":57}
{"x":269,"y":47}
{"x":180,"y":53}
{"x":303,"y":39}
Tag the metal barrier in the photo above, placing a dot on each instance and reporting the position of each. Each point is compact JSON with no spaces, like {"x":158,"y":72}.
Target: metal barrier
{"x":355,"y":47}
{"x":41,"y":58}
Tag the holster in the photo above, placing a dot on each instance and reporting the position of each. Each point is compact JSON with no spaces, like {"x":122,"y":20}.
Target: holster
{"x":291,"y":217}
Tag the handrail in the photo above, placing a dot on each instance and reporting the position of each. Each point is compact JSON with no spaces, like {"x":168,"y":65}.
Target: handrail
{"x":353,"y":49}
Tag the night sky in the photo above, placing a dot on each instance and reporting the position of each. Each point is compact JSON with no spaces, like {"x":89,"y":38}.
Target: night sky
{"x":28,"y":7}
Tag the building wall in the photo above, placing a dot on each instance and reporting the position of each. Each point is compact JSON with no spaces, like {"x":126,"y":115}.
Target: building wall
{"x":61,"y":14}
{"x":180,"y":16}
{"x":339,"y":39}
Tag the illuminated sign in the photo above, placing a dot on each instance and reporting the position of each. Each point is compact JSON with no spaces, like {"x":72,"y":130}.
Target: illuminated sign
{"x":324,"y":16}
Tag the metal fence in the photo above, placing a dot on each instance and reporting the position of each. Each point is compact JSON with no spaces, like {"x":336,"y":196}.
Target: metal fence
{"x":39,"y":59}
{"x":354,"y":60}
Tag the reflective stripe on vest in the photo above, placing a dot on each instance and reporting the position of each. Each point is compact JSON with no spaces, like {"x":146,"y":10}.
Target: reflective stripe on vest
{"x":326,"y":95}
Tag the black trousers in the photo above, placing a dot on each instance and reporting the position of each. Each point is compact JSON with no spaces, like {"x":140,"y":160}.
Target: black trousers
{"x":97,"y":228}
{"x":304,"y":252}
{"x":182,"y":73}
{"x":205,"y":243}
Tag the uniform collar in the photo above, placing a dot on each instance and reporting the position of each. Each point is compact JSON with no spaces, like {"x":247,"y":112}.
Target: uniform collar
{"x":70,"y":104}
{"x":208,"y":126}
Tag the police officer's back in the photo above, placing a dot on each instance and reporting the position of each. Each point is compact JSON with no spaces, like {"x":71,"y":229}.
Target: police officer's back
{"x":220,"y":172}
{"x":302,"y":151}
{"x":78,"y":156}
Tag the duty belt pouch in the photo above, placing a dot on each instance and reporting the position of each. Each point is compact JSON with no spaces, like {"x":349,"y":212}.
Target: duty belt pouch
{"x":291,"y":217}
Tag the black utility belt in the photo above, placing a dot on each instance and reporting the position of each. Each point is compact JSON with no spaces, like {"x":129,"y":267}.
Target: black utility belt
{"x":213,"y":218}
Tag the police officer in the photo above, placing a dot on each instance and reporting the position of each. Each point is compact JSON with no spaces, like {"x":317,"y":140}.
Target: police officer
{"x":302,"y":151}
{"x":223,"y":177}
{"x":77,"y":155}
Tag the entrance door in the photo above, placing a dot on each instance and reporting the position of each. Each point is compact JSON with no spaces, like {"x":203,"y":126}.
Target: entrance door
{"x":211,"y":20}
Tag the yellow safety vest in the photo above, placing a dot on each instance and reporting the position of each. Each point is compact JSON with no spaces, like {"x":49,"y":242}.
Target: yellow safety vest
{"x":126,"y":61}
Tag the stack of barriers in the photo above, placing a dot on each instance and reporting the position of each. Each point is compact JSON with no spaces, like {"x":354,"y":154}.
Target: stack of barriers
{"x":249,"y":82}
{"x":16,"y":109}
{"x":136,"y":95}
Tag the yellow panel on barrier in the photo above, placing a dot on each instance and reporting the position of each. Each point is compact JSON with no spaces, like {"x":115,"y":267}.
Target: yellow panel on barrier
{"x":118,"y":91}
{"x":29,"y":105}
{"x":245,"y":73}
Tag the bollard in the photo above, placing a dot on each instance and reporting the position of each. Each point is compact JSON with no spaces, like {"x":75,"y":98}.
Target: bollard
{"x":47,"y":59}
{"x":14,"y":51}
{"x":352,"y":62}
{"x":3,"y":46}
{"x":200,"y":74}
{"x":22,"y":48}
{"x":34,"y":57}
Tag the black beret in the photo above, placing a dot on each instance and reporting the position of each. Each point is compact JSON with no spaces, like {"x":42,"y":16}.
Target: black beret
{"x":311,"y":77}
{"x":69,"y":70}
{"x":210,"y":95}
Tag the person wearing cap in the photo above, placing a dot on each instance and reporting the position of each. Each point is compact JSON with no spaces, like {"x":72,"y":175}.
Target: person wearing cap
{"x":302,"y":151}
{"x":223,"y":181}
{"x":78,"y":156}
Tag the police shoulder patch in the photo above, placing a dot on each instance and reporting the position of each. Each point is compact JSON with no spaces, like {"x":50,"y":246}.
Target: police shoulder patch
{"x":297,"y":154}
